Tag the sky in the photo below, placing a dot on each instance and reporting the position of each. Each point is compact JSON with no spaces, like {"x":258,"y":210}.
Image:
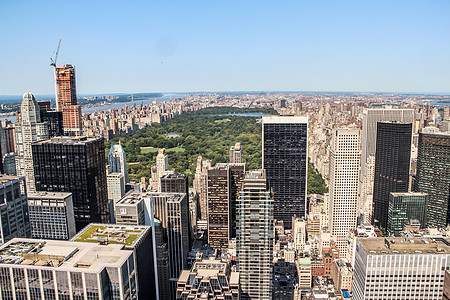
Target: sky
{"x":188,"y":46}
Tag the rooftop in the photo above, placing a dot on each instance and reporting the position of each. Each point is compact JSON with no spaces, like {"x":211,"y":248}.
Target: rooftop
{"x":125,"y":235}
{"x":68,"y":140}
{"x":62,"y":255}
{"x":48,"y":195}
{"x":4,"y":179}
{"x":131,"y":198}
{"x":284,"y":119}
{"x":401,"y":245}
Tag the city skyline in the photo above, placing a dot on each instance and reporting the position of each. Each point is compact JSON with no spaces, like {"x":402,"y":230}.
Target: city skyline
{"x":305,"y":46}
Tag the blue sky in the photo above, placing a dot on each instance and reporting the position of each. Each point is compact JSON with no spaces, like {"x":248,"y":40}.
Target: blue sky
{"x":177,"y":46}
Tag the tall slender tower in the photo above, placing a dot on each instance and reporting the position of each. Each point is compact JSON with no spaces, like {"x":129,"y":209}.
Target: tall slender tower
{"x":433,"y":175}
{"x":344,"y":178}
{"x":285,"y":159}
{"x":66,"y":100}
{"x":254,"y":239}
{"x":118,"y":161}
{"x":392,"y":161}
{"x":28,"y":129}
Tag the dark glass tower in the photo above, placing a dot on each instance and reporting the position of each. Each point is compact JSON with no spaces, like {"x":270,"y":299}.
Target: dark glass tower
{"x":285,"y":159}
{"x":75,"y":165}
{"x":433,"y":176}
{"x":392,"y":162}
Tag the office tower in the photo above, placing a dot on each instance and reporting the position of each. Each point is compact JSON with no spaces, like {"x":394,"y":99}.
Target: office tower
{"x":74,"y":165}
{"x":366,"y":194}
{"x":9,"y":164}
{"x":53,"y":118}
{"x":399,"y":268}
{"x":237,"y":172}
{"x":14,"y":220}
{"x":66,"y":100}
{"x":49,"y":269}
{"x":254,"y":236}
{"x":369,"y":128}
{"x":51,"y":215}
{"x":172,"y":210}
{"x":285,"y":159}
{"x":201,"y":186}
{"x":28,"y":129}
{"x":392,"y":162}
{"x":116,"y":187}
{"x":344,"y":178}
{"x":3,"y":149}
{"x":404,"y":207}
{"x":236,"y":153}
{"x":130,"y":210}
{"x":9,"y":139}
{"x":219,"y":194}
{"x":175,"y":183}
{"x":299,"y":233}
{"x":433,"y":175}
{"x":118,"y":161}
{"x":137,"y":239}
{"x":161,"y":169}
{"x":209,"y":279}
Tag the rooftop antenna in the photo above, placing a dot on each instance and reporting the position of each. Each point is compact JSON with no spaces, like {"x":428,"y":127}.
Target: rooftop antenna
{"x":53,"y":64}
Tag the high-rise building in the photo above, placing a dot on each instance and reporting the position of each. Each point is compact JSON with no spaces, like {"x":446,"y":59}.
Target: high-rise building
{"x":53,"y":118}
{"x":14,"y":221}
{"x":49,"y":269}
{"x":433,"y":175}
{"x":285,"y":159}
{"x":161,"y":169}
{"x":392,"y":163}
{"x":404,"y":207}
{"x":399,"y":268}
{"x":66,"y":100}
{"x":116,"y":186}
{"x":237,"y":172}
{"x":75,"y":165}
{"x":175,"y":183}
{"x":118,"y":161}
{"x":255,"y":236}
{"x":371,"y":117}
{"x":51,"y":215}
{"x":209,"y":279}
{"x":172,"y":210}
{"x":236,"y":153}
{"x":201,"y":186}
{"x":219,"y":197}
{"x":138,"y":239}
{"x":9,"y":164}
{"x":344,"y":178}
{"x":28,"y":129}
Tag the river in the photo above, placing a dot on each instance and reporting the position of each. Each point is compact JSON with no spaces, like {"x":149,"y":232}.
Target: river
{"x":166,"y":97}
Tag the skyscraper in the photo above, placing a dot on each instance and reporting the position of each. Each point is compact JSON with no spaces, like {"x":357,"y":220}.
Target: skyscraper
{"x":53,"y":118}
{"x":433,"y":175}
{"x":14,"y":221}
{"x":219,"y":197}
{"x":392,"y":162}
{"x":200,"y":185}
{"x":51,"y":215}
{"x":344,"y":178}
{"x":75,"y":165}
{"x":118,"y":161}
{"x":66,"y":100}
{"x":236,"y":153}
{"x":28,"y":129}
{"x":285,"y":159}
{"x":404,"y":207}
{"x":255,"y":235}
{"x":369,"y":127}
{"x":237,"y":172}
{"x":399,"y":268}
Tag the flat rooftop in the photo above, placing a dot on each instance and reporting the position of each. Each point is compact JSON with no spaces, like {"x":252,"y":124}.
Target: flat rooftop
{"x":408,"y":245}
{"x":408,"y":194}
{"x":68,"y":140}
{"x":5,"y":179}
{"x":62,"y":255}
{"x":124,"y":235}
{"x":48,"y":195}
{"x":272,"y":119}
{"x":131,"y":198}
